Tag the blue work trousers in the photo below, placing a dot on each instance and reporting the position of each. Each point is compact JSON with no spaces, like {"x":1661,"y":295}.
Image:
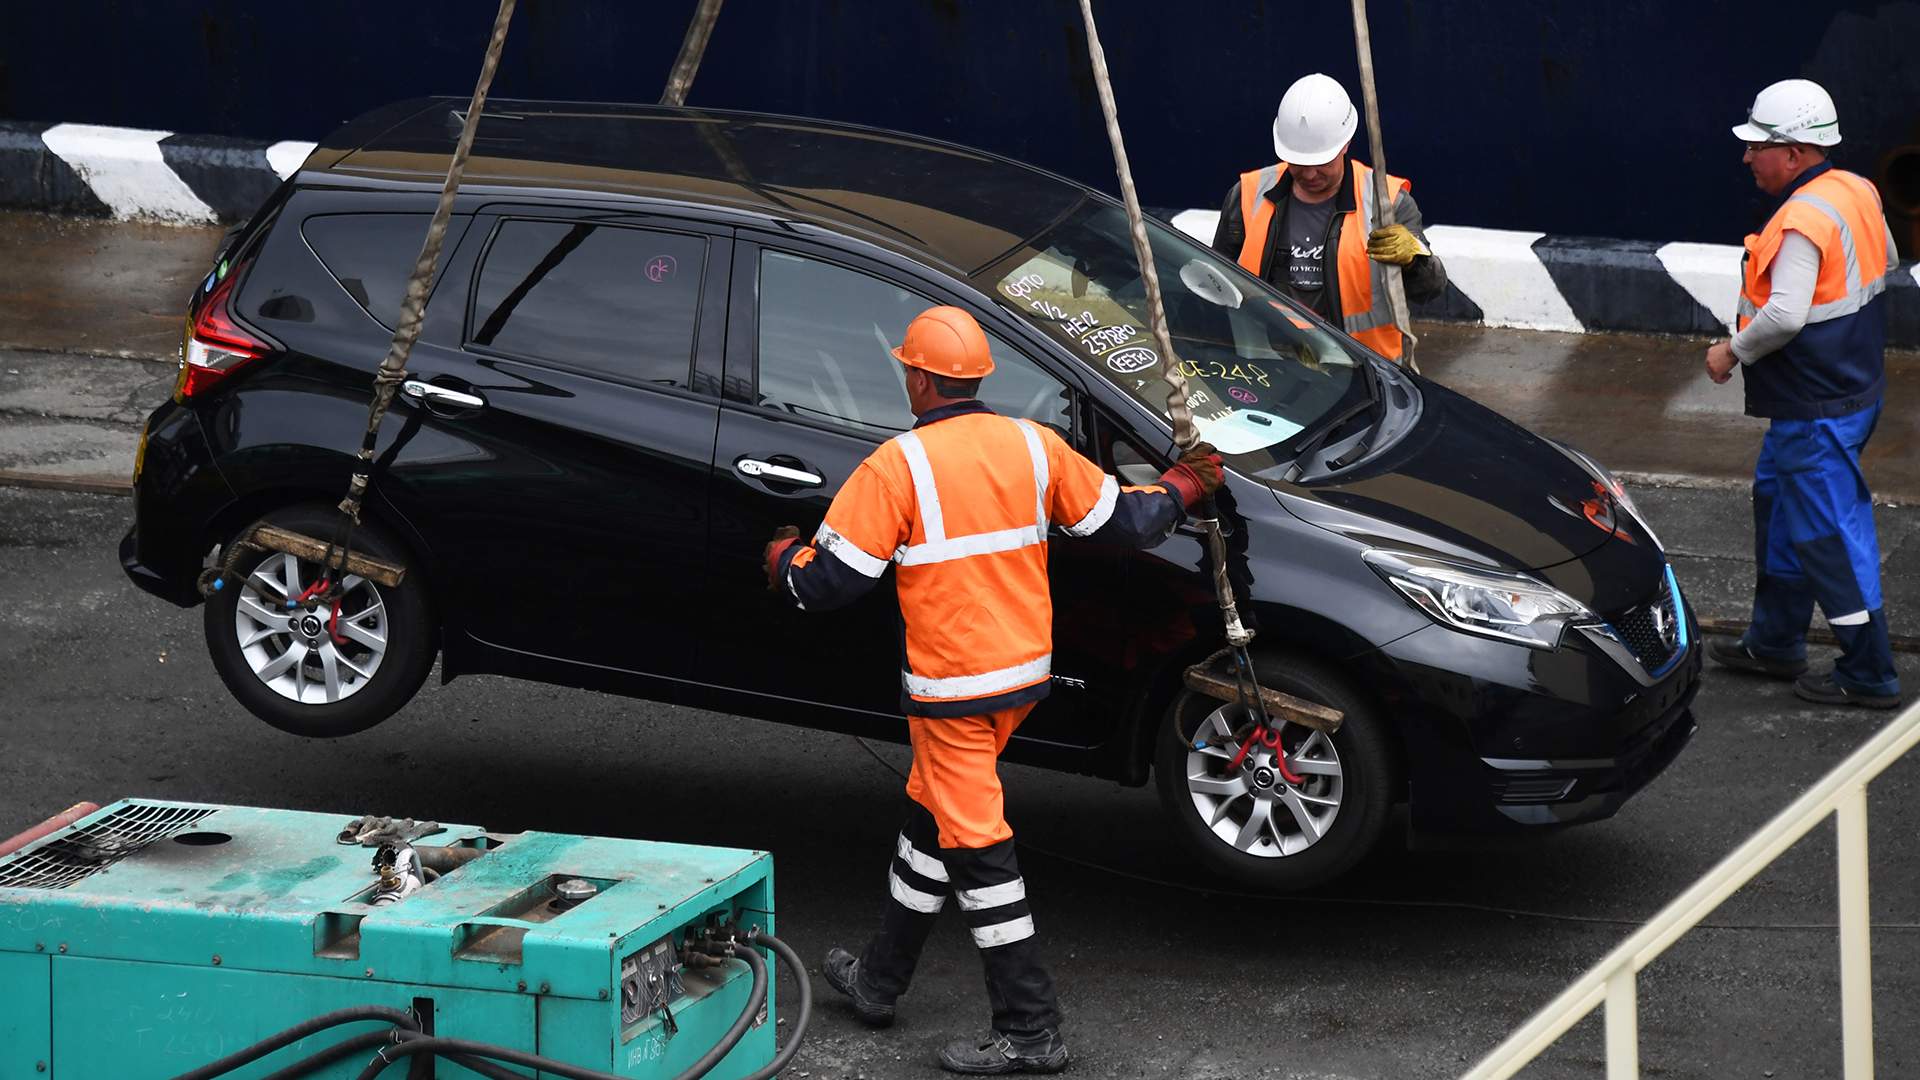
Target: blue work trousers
{"x":1814,"y":542}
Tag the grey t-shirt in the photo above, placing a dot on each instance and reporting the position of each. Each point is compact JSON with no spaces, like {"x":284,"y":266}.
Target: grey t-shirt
{"x":1304,"y":232}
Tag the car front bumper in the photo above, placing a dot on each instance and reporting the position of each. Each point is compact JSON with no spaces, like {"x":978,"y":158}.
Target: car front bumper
{"x":1503,"y":738}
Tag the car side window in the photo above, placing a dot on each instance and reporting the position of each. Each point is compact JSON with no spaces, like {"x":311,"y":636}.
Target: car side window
{"x":602,"y":299}
{"x":824,"y":351}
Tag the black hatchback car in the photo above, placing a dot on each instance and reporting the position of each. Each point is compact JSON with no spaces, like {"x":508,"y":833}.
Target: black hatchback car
{"x":658,"y":334}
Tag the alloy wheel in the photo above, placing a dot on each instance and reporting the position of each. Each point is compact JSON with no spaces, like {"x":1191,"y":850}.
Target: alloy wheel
{"x":309,"y":654}
{"x":1253,"y":807}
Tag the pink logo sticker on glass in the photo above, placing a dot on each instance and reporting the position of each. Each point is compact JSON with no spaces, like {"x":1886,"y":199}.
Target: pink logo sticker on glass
{"x":1242,"y":395}
{"x":660,"y":268}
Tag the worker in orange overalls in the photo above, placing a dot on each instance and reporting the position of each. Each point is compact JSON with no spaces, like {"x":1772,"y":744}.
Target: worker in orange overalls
{"x":962,"y":503}
{"x":1309,"y":227}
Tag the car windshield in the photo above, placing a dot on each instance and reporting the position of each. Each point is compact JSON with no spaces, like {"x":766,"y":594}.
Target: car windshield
{"x":1262,"y":375}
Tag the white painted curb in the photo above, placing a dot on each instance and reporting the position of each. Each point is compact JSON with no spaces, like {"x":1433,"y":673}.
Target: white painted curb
{"x":124,"y":168}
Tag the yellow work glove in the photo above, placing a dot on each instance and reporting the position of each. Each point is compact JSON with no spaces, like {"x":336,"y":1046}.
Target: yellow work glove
{"x":1394,"y":244}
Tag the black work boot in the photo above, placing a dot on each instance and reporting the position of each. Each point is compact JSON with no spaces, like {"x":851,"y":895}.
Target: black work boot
{"x":1736,"y":655}
{"x":1002,"y":1053}
{"x":1822,"y":690}
{"x":843,"y":974}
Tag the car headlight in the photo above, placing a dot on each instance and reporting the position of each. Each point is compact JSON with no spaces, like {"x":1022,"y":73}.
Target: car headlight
{"x":1510,"y":607}
{"x":1614,"y":487}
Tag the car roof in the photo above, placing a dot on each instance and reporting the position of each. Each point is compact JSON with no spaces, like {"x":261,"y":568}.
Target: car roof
{"x":936,"y":201}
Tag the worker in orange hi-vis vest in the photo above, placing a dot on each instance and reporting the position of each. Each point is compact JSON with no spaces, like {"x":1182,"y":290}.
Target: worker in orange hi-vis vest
{"x":1813,"y":333}
{"x":962,"y":505}
{"x":1308,"y":224}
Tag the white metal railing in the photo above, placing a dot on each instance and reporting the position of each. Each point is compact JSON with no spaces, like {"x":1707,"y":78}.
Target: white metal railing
{"x":1842,"y":792}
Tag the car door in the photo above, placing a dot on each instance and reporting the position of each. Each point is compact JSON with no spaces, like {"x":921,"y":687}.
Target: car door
{"x":811,"y":391}
{"x":567,"y":497}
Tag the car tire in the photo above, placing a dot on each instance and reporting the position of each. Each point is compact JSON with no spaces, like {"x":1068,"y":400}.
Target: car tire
{"x":346,"y":678}
{"x":1357,"y":772}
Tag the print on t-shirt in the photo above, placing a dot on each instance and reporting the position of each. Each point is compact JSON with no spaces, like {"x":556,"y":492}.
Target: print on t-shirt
{"x":1305,"y":235}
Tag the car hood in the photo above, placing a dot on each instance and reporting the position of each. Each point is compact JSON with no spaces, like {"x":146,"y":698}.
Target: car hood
{"x":1469,"y":484}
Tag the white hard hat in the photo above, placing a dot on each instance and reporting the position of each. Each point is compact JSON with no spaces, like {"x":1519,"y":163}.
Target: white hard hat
{"x":1315,"y":121}
{"x":1792,"y":111}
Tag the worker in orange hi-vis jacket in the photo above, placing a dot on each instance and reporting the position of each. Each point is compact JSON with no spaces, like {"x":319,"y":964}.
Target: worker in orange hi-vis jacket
{"x":962,"y":504}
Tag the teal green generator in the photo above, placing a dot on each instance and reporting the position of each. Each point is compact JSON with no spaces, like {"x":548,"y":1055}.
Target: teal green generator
{"x":151,"y":938}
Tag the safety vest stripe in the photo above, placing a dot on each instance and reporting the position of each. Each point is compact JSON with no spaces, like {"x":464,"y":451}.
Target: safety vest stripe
{"x":1380,"y":312}
{"x":923,"y":864}
{"x":913,"y":899}
{"x":1101,"y":512}
{"x":972,"y":686}
{"x":1006,"y":933}
{"x":924,"y":491}
{"x":1858,"y":295}
{"x":963,"y":547}
{"x":1850,"y":260}
{"x":992,"y":896}
{"x":1040,"y":479}
{"x":848,"y":552}
{"x":939,"y":547}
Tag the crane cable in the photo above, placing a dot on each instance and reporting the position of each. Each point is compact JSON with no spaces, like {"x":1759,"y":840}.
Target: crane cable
{"x":1179,"y":407}
{"x":393,"y":367}
{"x":1376,"y":146}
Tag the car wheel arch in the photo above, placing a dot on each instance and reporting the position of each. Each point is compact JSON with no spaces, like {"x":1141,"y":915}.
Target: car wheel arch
{"x":227,"y":524}
{"x":1164,"y":687}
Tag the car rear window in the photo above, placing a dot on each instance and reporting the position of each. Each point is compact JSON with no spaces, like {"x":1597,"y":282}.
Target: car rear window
{"x":601,"y":299}
{"x":370,"y":255}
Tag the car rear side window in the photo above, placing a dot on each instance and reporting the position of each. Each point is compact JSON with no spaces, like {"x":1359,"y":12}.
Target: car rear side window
{"x":371,"y":255}
{"x":601,"y":299}
{"x":825,"y":336}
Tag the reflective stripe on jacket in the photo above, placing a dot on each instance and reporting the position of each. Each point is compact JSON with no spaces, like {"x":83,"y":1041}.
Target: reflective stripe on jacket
{"x":1836,"y":364}
{"x":961,"y":505}
{"x":1364,"y":310}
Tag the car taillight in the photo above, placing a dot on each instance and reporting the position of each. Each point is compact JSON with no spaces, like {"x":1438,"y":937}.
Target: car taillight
{"x":215,"y":345}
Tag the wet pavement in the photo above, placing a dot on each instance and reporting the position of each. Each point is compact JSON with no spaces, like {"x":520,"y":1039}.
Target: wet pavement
{"x":111,"y":288}
{"x":1643,"y":404}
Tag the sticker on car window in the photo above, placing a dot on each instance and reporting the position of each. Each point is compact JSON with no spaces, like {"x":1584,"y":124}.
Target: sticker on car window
{"x":1136,"y":359}
{"x":1242,"y":431}
{"x":1092,"y":321}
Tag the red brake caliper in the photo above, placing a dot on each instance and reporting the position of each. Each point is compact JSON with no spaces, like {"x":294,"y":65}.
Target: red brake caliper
{"x":1270,"y":739}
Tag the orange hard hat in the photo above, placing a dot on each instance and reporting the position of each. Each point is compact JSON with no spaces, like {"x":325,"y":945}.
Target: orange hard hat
{"x":946,"y":341}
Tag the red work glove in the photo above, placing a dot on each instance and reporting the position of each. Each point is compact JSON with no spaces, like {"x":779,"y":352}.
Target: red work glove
{"x":1196,"y":475}
{"x":784,"y":537}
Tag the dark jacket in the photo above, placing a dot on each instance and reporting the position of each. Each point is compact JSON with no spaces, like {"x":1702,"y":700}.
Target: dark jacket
{"x":1425,"y":278}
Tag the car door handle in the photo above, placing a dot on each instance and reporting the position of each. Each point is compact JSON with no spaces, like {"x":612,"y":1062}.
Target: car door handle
{"x":440,"y":395}
{"x":769,"y":471}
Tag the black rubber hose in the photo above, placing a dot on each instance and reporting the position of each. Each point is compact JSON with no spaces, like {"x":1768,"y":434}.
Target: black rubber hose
{"x":415,"y":1043}
{"x":396,"y":1017}
{"x":755,"y":998}
{"x":360,"y":1043}
{"x":464,"y":1051}
{"x":804,"y":985}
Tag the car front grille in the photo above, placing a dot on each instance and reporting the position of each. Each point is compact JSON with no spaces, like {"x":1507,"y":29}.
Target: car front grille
{"x":1639,"y":628}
